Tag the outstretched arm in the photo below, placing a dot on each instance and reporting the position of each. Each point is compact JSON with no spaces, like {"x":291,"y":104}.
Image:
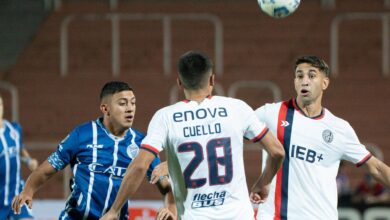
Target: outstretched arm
{"x":379,"y":170}
{"x":34,"y":181}
{"x":275,"y":158}
{"x":134,"y":176}
{"x":32,"y":163}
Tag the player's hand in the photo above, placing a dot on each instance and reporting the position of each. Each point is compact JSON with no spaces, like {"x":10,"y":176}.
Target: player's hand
{"x":110,"y":215}
{"x":20,"y":200}
{"x":165,"y":214}
{"x":159,"y":171}
{"x":259,"y":194}
{"x":33,"y":164}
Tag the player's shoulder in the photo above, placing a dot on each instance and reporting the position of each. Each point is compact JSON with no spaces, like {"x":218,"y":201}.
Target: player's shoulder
{"x":14,"y":124}
{"x":137,"y":132}
{"x":85,"y":127}
{"x":335,"y":119}
{"x":336,"y":122}
{"x":229,"y":101}
{"x":270,"y":107}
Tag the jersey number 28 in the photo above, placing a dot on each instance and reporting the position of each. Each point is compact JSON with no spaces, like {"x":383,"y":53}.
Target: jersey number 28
{"x":214,"y":162}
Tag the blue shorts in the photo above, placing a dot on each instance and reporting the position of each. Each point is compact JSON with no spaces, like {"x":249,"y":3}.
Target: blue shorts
{"x":6,"y":212}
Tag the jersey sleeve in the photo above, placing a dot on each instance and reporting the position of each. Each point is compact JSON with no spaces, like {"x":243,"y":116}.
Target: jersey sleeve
{"x":354,"y":151}
{"x":66,"y":151}
{"x":140,"y":136}
{"x":156,"y":135}
{"x":255,"y":129}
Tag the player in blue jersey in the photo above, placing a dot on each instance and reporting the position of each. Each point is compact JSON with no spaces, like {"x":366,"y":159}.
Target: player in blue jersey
{"x":98,"y":152}
{"x":11,"y":153}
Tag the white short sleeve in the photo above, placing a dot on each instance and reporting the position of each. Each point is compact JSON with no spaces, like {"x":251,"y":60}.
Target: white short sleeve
{"x":254,"y":129}
{"x":157,"y":133}
{"x":354,"y":151}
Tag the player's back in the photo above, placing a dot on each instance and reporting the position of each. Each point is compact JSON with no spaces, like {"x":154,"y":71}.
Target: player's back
{"x":204,"y":144}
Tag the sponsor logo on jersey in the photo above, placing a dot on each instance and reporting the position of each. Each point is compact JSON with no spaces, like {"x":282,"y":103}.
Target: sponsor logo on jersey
{"x":12,"y":151}
{"x":113,"y":170}
{"x":201,"y":113}
{"x":97,"y":146}
{"x":201,"y":200}
{"x":305,"y":154}
{"x":327,"y":135}
{"x":284,"y":124}
{"x":132,"y":150}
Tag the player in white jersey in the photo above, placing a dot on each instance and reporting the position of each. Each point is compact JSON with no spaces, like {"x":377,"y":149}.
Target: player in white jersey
{"x":315,"y":141}
{"x":203,"y":140}
{"x":98,"y":152}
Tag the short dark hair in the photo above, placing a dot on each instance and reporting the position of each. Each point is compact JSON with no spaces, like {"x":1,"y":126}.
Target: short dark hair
{"x":193,"y":66}
{"x":113,"y":87}
{"x":315,"y":62}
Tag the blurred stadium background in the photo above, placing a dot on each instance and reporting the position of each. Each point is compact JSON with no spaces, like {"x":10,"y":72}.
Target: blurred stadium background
{"x":56,"y":54}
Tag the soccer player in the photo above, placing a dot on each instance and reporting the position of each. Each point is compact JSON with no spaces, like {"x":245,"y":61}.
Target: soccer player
{"x":315,"y":141}
{"x":98,"y":152}
{"x":203,"y":140}
{"x":11,"y":153}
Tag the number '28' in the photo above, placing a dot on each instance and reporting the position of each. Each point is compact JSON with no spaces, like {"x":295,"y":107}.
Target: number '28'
{"x":214,"y":161}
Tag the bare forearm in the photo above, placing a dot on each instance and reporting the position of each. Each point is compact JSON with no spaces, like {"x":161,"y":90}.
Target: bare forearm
{"x":169,"y":202}
{"x":272,"y":167}
{"x":275,"y":158}
{"x":39,"y":177}
{"x":131,"y":182}
{"x":383,"y":174}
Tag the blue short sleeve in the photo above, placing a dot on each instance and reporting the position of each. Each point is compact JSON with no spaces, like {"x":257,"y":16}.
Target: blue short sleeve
{"x":66,"y":151}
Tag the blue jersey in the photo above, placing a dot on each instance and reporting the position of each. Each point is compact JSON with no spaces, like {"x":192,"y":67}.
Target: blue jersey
{"x":99,"y":161}
{"x":10,"y":176}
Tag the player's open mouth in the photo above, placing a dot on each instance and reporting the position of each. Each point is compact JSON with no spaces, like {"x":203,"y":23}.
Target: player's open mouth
{"x":129,"y":118}
{"x":304,"y":92}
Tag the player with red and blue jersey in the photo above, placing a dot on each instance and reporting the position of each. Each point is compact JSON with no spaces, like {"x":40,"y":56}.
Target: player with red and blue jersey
{"x":315,"y":141}
{"x":203,"y":140}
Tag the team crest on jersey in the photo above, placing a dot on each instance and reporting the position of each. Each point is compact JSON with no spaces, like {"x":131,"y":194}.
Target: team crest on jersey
{"x":327,"y":135}
{"x":132,"y":150}
{"x":13,"y":134}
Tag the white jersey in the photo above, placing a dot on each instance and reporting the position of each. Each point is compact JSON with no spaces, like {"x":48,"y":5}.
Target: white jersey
{"x":305,"y":186}
{"x":204,"y":147}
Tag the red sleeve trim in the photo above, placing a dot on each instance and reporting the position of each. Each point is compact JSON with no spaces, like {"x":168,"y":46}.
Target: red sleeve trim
{"x":364,"y":160}
{"x":150,"y":149}
{"x":261,"y":135}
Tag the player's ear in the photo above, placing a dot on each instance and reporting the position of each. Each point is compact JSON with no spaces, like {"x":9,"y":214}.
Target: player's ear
{"x":179,"y":83}
{"x":104,"y":108}
{"x":212,"y":80}
{"x":325,"y":83}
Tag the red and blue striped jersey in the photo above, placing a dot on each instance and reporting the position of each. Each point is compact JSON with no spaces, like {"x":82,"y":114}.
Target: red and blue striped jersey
{"x":305,"y":186}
